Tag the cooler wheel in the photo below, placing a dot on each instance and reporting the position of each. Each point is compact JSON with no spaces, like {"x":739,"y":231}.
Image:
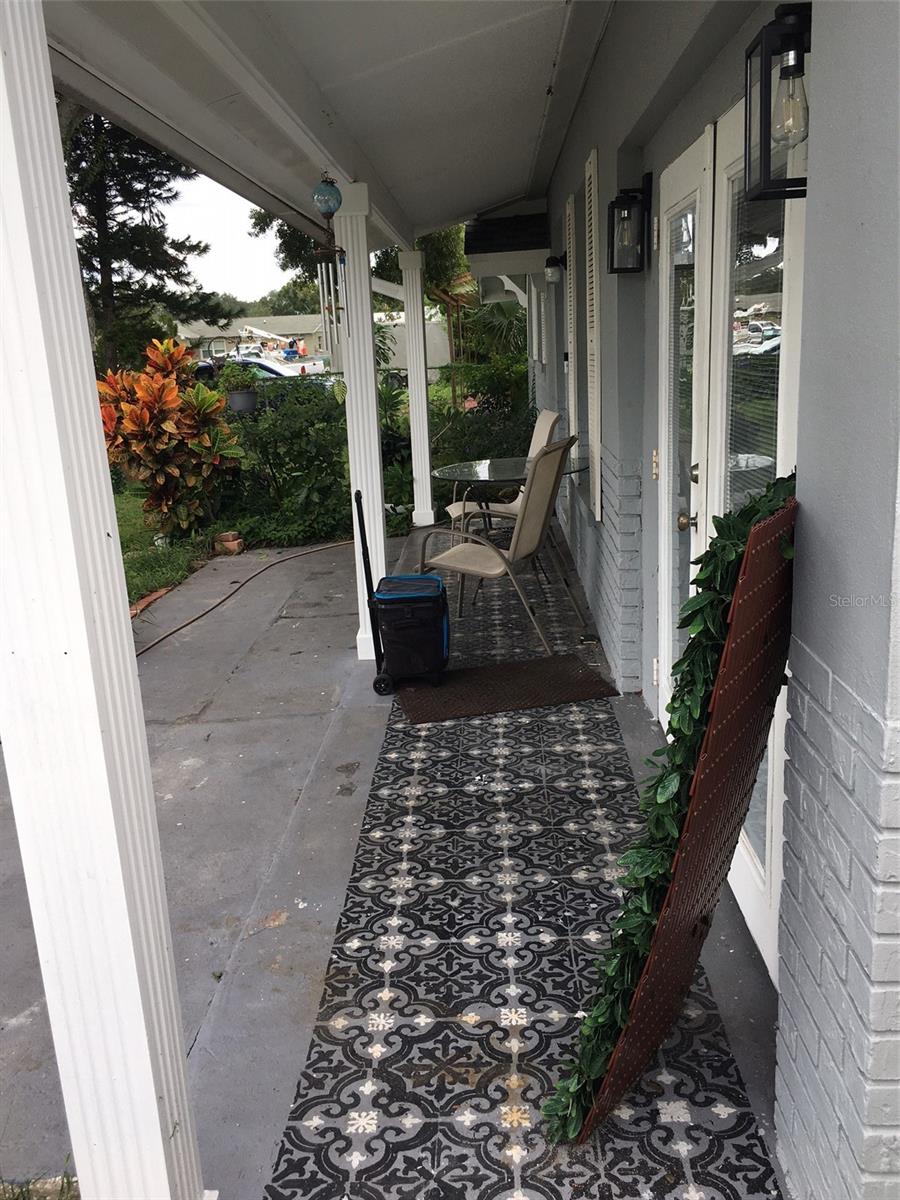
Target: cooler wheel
{"x":383,"y":684}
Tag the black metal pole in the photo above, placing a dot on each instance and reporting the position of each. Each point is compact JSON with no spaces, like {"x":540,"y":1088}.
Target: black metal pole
{"x":367,"y":571}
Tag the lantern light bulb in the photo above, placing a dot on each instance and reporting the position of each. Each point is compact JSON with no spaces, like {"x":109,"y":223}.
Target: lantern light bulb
{"x":790,"y":112}
{"x":624,"y":229}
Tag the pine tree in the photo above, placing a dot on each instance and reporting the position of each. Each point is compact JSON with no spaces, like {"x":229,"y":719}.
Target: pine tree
{"x":136,"y":277}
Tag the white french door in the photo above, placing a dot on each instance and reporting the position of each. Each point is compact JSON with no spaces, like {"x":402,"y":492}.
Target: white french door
{"x":755,"y":354}
{"x":745,"y":436}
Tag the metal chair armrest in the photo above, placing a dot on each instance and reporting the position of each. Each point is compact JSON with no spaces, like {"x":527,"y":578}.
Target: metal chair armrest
{"x":451,"y":533}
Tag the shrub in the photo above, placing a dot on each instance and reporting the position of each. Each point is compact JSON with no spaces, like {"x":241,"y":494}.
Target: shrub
{"x":294,"y":486}
{"x":499,"y":426}
{"x":117,"y":479}
{"x":169,"y":436}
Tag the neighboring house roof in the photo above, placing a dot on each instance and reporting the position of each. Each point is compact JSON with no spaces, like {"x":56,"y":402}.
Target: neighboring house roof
{"x":291,"y":325}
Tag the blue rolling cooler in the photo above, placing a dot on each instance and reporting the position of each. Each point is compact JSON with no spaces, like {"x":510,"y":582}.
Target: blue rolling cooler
{"x":410,"y":622}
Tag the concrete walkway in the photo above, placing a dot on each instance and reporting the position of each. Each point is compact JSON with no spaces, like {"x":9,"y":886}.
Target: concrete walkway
{"x":263,"y":731}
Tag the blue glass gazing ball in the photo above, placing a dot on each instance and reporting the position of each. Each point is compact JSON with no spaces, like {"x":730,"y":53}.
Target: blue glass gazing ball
{"x":327,"y":197}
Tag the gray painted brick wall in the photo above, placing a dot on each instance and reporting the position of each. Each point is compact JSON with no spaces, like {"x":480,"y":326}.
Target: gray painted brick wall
{"x":607,"y":555}
{"x":838,"y":1054}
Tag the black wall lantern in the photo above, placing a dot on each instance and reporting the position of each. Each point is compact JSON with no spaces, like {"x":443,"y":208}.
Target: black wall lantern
{"x":554,"y":267}
{"x":628,"y":228}
{"x":776,"y":112}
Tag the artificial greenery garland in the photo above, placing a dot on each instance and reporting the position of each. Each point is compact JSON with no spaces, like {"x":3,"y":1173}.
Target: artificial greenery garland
{"x":664,"y":802}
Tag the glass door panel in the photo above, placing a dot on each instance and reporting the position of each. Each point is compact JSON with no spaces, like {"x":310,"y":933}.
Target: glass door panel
{"x":755,"y":297}
{"x":684,"y":299}
{"x":751,"y":399}
{"x":682,"y":316}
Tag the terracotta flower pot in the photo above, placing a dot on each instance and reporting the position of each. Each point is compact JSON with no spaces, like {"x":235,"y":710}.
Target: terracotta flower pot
{"x":229,"y":543}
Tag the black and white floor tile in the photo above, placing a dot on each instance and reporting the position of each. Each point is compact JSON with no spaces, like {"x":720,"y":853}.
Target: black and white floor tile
{"x":484,"y":886}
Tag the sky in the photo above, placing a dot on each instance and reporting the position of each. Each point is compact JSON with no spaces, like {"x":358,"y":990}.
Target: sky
{"x":236,"y":262}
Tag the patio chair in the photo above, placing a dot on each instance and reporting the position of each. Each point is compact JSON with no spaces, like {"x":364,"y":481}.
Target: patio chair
{"x":546,"y":422}
{"x":474,"y":555}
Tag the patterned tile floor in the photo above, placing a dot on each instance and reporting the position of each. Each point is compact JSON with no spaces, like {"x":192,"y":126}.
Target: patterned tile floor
{"x":484,"y":884}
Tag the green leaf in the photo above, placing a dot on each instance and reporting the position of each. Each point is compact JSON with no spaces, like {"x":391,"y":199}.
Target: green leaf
{"x":573,"y":1125}
{"x":667,"y":788}
{"x":694,"y":603}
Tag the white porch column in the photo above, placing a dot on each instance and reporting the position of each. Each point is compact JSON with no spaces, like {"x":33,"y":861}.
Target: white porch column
{"x":70,"y":707}
{"x":411,"y":263}
{"x":358,"y":356}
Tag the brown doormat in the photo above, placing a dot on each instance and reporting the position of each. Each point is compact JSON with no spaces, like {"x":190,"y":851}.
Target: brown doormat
{"x":503,"y":687}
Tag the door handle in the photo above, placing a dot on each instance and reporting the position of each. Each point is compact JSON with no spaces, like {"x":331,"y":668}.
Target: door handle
{"x":686,"y":522}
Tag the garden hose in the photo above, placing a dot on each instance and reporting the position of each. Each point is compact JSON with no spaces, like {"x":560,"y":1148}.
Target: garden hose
{"x":277,"y":562}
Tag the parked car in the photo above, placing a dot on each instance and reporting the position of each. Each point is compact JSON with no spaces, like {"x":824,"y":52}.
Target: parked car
{"x":761,"y":331}
{"x":267,"y":368}
{"x":273,"y":368}
{"x":310,"y":365}
{"x":205,"y":371}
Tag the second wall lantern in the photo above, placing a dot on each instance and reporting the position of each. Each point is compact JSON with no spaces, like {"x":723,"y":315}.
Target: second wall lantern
{"x":554,"y":267}
{"x":628,"y":228}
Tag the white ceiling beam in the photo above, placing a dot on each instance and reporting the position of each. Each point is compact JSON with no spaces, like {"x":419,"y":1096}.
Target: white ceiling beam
{"x":508,"y":262}
{"x":99,"y":96}
{"x":385,"y":288}
{"x":307,"y":122}
{"x":584,"y":29}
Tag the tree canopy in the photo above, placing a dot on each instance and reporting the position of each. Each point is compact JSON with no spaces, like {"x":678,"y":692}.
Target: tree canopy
{"x":136,"y":277}
{"x":445,"y":259}
{"x":298,"y":295}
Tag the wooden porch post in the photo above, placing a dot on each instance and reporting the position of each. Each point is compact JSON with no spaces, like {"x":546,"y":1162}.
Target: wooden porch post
{"x":70,"y":707}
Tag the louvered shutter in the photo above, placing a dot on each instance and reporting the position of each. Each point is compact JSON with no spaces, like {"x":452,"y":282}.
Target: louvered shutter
{"x":592,"y":254}
{"x":543,"y":325}
{"x":571,"y":340}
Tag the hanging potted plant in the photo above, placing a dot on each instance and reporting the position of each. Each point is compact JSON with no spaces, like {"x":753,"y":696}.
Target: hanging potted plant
{"x":239,"y":383}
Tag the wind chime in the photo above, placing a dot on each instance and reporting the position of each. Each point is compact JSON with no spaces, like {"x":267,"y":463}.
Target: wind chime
{"x":331,"y":266}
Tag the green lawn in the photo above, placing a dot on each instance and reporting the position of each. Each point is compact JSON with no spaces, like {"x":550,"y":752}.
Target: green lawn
{"x":64,"y":1188}
{"x":147,"y":566}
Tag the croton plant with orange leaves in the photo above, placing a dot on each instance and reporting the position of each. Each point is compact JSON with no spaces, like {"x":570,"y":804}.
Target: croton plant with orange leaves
{"x":169,"y":434}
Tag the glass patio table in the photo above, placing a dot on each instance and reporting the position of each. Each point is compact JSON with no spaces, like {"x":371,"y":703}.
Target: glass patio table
{"x":498,"y":470}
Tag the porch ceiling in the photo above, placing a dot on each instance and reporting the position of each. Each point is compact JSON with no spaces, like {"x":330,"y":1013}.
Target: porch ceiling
{"x":445,"y":108}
